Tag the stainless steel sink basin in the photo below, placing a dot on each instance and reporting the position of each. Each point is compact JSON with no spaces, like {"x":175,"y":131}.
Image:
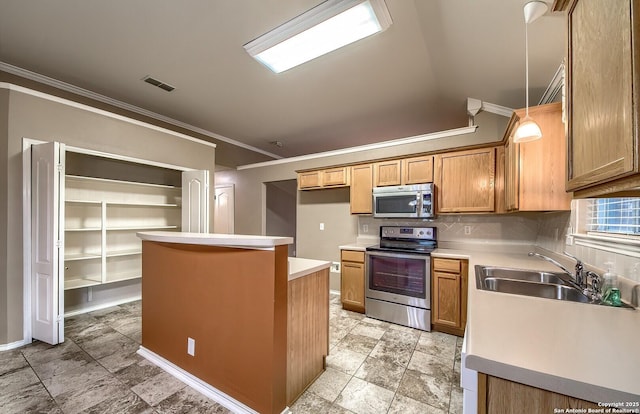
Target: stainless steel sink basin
{"x":527,"y":275}
{"x":541,"y":290}
{"x":541,"y":284}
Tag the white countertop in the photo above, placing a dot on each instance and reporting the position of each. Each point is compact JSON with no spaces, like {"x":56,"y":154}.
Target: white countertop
{"x":299,"y":267}
{"x":361,"y":246}
{"x":241,"y":241}
{"x":586,"y":351}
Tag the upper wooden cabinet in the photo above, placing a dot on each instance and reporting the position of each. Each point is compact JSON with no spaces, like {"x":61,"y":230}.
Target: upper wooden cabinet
{"x":417,"y":170}
{"x":465,"y":181}
{"x":361,"y":201}
{"x":602,"y":96}
{"x":535,"y":171}
{"x":387,"y":173}
{"x":328,"y":178}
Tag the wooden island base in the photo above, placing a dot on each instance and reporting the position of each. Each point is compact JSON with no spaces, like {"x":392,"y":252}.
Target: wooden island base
{"x":260,"y":338}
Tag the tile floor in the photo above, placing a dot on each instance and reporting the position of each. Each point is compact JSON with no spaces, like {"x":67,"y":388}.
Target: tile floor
{"x":373,"y":367}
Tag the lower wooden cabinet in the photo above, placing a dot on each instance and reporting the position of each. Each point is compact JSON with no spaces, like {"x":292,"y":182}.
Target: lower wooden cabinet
{"x":497,"y":396}
{"x":352,"y":280}
{"x":449,"y":295}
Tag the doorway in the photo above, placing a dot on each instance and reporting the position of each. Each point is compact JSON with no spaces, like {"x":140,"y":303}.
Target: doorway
{"x":281,"y":205}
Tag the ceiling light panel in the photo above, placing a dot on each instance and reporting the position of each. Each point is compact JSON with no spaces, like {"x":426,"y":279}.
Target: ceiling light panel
{"x":327,"y":27}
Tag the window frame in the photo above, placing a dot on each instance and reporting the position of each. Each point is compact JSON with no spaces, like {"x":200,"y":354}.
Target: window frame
{"x":628,"y":245}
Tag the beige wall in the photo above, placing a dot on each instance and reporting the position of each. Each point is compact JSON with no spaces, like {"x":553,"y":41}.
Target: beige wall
{"x":331,"y":207}
{"x":42,"y":119}
{"x":4,"y":219}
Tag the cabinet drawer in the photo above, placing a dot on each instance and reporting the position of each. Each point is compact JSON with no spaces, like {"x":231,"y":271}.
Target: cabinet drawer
{"x":352,"y":256}
{"x":446,"y":265}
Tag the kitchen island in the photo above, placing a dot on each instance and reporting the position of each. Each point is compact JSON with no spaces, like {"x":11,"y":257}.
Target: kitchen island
{"x":234,"y":317}
{"x":583,"y":351}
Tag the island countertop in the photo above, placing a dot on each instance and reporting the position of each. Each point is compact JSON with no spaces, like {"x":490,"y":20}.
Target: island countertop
{"x":242,"y":241}
{"x":299,"y":267}
{"x":585,"y":351}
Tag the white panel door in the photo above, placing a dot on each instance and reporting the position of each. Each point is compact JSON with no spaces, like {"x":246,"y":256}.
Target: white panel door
{"x":223,"y":212}
{"x":195,"y":201}
{"x":47,"y":241}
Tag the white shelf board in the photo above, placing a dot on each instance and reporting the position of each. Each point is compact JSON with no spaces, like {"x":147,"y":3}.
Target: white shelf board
{"x":93,"y":202}
{"x":132,"y":252}
{"x":79,"y":283}
{"x":107,"y":180}
{"x":120,"y":277}
{"x":84,"y":229}
{"x":118,"y":204}
{"x":82,"y":256}
{"x":140,"y":228}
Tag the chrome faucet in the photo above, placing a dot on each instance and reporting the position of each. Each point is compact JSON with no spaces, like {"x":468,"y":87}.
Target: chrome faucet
{"x":579,"y":279}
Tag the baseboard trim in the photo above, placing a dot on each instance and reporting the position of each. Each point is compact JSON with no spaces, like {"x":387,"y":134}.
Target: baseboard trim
{"x":199,"y":385}
{"x":13,"y":345}
{"x":334,"y":292}
{"x":101,"y":306}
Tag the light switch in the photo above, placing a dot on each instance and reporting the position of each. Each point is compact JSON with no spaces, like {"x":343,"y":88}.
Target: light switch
{"x":321,"y":226}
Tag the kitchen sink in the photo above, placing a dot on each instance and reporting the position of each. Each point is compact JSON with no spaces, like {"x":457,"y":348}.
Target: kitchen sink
{"x":541,"y":290}
{"x":541,"y":284}
{"x":526,"y":275}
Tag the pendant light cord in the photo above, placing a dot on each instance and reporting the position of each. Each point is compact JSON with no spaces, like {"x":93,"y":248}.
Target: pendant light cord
{"x":526,"y":69}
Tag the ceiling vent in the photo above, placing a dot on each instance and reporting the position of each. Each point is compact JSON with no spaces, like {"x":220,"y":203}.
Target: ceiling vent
{"x":159,"y":84}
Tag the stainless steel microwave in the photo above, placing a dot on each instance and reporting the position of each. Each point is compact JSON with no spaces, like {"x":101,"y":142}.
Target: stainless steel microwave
{"x":404,"y":201}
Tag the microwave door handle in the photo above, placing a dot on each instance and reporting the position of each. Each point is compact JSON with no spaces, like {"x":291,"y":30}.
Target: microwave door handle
{"x":419,"y":200}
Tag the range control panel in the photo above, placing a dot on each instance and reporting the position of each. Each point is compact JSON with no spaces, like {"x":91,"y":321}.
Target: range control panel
{"x":416,"y":233}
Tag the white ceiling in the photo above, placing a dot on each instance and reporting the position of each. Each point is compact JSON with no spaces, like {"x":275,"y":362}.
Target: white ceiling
{"x":412,"y":79}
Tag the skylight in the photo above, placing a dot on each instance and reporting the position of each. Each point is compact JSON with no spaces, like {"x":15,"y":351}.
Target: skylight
{"x":325,"y":28}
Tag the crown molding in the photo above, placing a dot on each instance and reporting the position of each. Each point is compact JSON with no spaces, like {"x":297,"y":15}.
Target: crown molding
{"x":367,"y":147}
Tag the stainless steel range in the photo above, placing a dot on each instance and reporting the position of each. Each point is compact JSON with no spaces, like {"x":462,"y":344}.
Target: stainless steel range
{"x":399,"y":276}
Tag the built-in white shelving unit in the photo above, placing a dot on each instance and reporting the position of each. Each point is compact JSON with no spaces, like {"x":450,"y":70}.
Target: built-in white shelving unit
{"x":102,"y":217}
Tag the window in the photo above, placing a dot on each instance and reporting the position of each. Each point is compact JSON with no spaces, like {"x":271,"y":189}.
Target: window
{"x":607,"y":224}
{"x":614,"y":215}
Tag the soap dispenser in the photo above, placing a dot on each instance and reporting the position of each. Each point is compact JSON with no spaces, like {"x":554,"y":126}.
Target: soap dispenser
{"x":610,"y":290}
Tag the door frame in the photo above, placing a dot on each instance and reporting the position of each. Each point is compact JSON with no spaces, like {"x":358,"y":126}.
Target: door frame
{"x":26,"y":220}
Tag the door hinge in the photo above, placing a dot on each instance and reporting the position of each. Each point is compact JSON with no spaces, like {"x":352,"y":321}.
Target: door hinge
{"x":58,"y":243}
{"x":59,"y":318}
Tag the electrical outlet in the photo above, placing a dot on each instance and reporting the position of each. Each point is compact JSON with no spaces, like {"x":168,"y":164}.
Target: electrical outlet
{"x":335,"y":267}
{"x":321,"y":226}
{"x":191,"y":346}
{"x":365,"y":228}
{"x":467,"y":230}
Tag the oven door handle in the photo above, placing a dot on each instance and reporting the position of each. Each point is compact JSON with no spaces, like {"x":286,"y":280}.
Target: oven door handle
{"x":426,"y":258}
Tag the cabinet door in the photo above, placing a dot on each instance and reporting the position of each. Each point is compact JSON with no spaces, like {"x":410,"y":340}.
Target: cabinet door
{"x":47,"y":242}
{"x":352,"y":286}
{"x":335,"y":177}
{"x":446,"y":299}
{"x":465,"y":181}
{"x":602,"y":142}
{"x":417,"y":170}
{"x":386,"y":173}
{"x":308,"y":180}
{"x":361,"y":199}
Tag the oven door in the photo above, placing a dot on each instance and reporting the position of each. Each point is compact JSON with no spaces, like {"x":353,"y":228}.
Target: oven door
{"x":402,"y":278}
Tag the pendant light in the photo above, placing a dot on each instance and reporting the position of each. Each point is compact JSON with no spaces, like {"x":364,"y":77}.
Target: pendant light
{"x":528,"y":130}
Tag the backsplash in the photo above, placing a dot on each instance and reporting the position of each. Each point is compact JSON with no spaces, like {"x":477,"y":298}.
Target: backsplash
{"x":481,"y":229}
